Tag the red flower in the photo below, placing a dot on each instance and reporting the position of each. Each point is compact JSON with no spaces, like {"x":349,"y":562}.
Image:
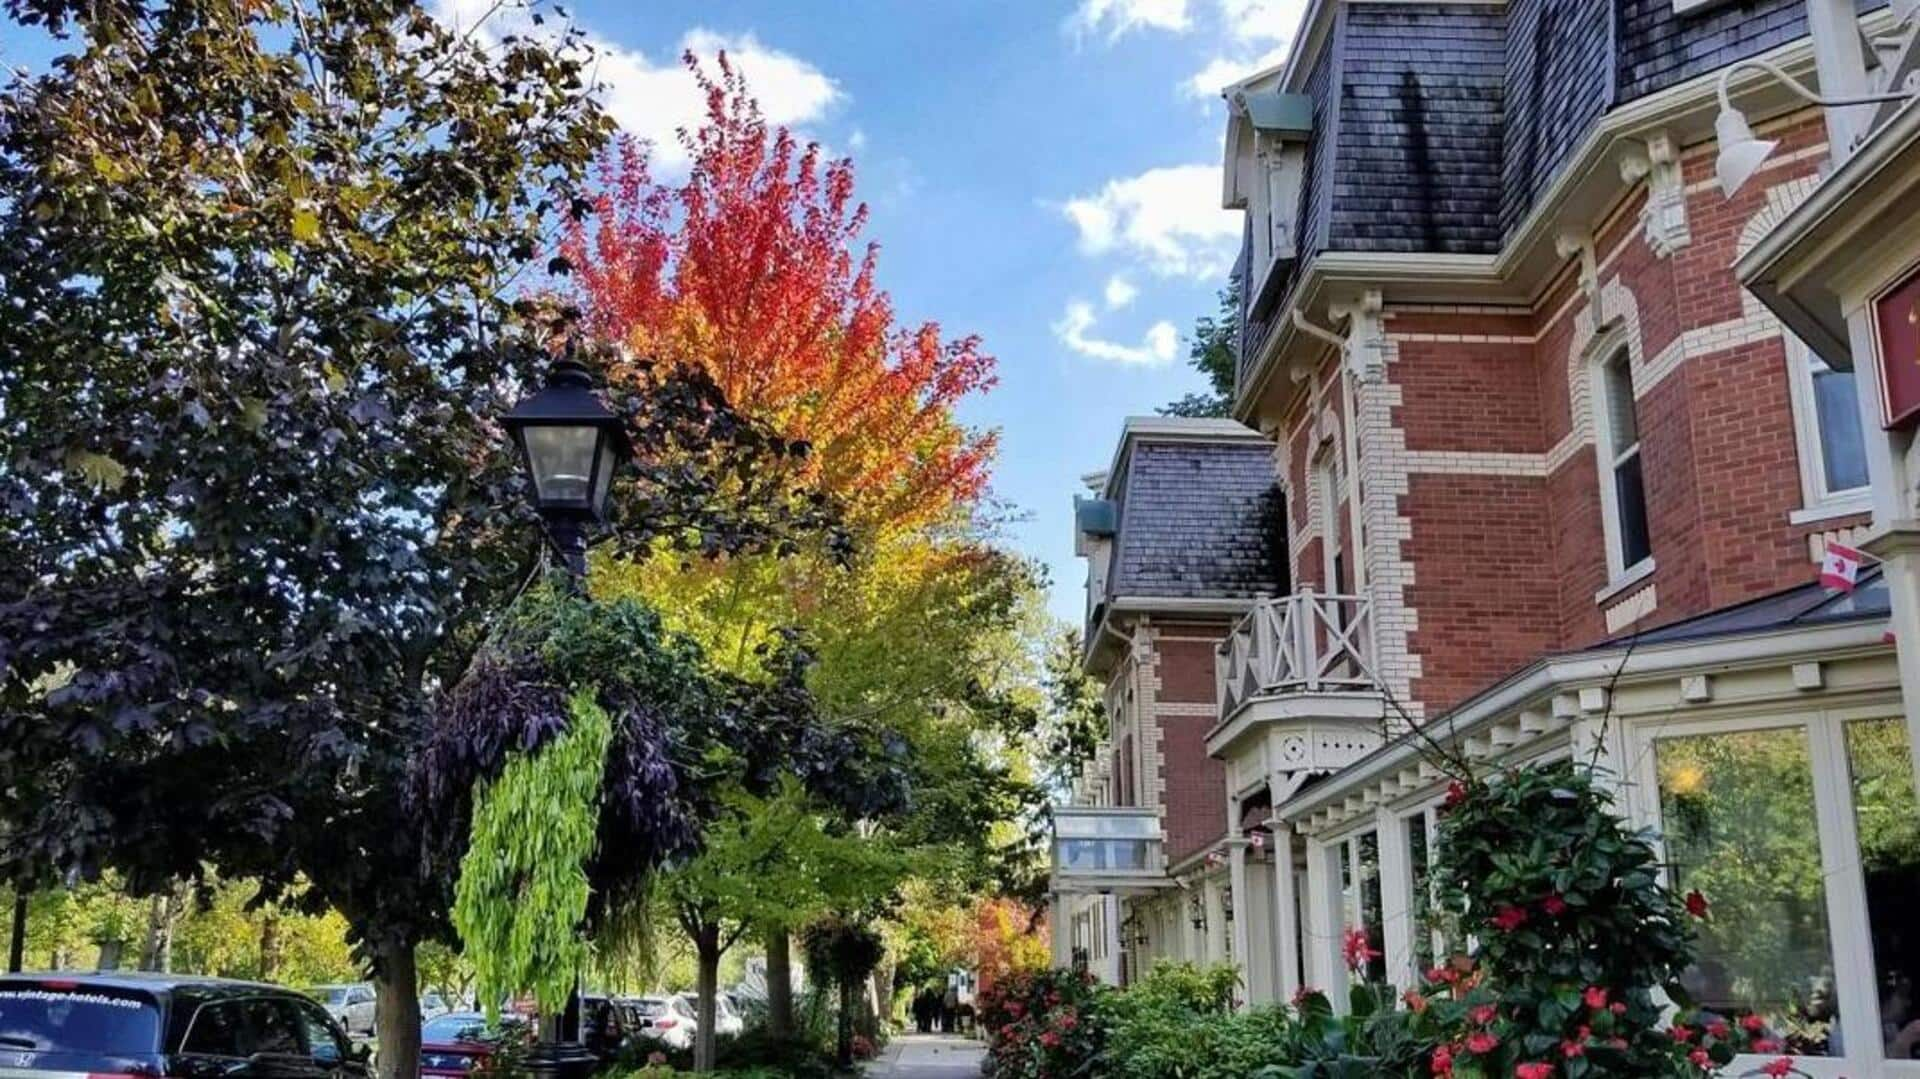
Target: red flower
{"x":1482,"y":1043}
{"x":1696,"y":904}
{"x":1778,"y":1067}
{"x":1701,"y":1060}
{"x":1049,"y":1039}
{"x":1357,"y":949}
{"x":1456,"y":793}
{"x":1682,"y":1033}
{"x":1765,"y":1045}
{"x":1442,"y":1060}
{"x":1416,"y":1003}
{"x":1570,"y":1049}
{"x":1617,"y":1007}
{"x":1533,"y":1071}
{"x":1301,"y":994}
{"x":1753,"y":1023}
{"x":1595,"y":997}
{"x":1509,"y":918}
{"x":1554,"y":906}
{"x":1443,"y":974}
{"x":1718,"y":1028}
{"x":1483,"y":1014}
{"x":1016,"y":1009}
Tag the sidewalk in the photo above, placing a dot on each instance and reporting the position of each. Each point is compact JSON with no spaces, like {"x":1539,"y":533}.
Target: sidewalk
{"x":929,"y":1056}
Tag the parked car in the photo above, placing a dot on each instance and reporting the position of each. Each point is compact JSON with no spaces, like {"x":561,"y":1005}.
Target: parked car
{"x":432,"y":1005}
{"x":168,"y":1025}
{"x":458,"y":1042}
{"x":726,"y":1020}
{"x":350,"y":1005}
{"x":665,"y":1019}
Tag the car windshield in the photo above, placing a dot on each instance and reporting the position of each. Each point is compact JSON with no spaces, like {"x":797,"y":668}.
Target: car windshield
{"x":76,"y":1020}
{"x":650,"y":1008}
{"x":329,"y":994}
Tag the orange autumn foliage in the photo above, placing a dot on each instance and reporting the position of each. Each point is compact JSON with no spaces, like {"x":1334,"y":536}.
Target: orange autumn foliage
{"x":753,"y":269}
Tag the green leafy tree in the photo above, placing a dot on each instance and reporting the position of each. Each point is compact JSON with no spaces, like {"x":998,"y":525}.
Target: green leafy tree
{"x":1214,"y":351}
{"x":257,"y":271}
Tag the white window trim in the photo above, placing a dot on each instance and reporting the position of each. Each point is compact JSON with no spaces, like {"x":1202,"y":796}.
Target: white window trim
{"x":1816,"y":502}
{"x":1848,"y":931}
{"x":1606,"y":459}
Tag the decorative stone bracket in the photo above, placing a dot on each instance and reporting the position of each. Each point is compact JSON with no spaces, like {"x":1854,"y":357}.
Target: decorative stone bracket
{"x":1664,"y":217}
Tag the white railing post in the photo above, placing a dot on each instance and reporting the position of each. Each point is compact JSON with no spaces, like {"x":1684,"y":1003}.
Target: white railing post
{"x":1306,"y":615}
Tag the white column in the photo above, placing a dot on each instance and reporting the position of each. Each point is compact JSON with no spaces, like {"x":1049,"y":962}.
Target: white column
{"x":1324,"y":971}
{"x":1841,"y":62}
{"x":1061,"y":928}
{"x":1396,"y":897}
{"x":1243,"y":908}
{"x":1286,"y":942}
{"x":1896,"y":532}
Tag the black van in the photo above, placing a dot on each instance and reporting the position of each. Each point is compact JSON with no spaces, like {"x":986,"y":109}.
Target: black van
{"x":108,"y":1025}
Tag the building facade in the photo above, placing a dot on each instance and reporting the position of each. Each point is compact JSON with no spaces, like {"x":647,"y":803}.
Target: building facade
{"x":1554,"y":483}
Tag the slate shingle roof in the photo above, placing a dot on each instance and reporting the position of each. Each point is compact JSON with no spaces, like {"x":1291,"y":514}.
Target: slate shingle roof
{"x":1198,"y":519}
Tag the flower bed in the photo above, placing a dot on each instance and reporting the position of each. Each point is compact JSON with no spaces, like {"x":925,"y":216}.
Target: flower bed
{"x":1574,"y":974}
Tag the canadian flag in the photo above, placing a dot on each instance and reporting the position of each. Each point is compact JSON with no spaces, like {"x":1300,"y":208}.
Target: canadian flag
{"x":1840,"y":567}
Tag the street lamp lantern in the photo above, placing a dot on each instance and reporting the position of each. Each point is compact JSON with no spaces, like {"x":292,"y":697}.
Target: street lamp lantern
{"x":571,"y":444}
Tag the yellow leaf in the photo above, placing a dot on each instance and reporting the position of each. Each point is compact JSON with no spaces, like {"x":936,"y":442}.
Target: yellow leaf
{"x":97,"y":468}
{"x":253,"y":413}
{"x":334,"y":379}
{"x":306,"y":225}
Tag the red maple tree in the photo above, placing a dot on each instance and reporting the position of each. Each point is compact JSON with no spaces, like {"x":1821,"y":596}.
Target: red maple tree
{"x":753,"y":268}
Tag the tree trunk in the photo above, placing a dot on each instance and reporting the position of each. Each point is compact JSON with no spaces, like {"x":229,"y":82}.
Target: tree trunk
{"x":159,"y":922}
{"x":17,"y":945}
{"x":396,"y":1012}
{"x":779,"y":985}
{"x":269,"y":946}
{"x":843,"y":1036}
{"x":706,"y":945}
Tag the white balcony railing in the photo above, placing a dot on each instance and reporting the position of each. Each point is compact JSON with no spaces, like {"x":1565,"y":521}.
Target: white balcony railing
{"x":1306,"y":642}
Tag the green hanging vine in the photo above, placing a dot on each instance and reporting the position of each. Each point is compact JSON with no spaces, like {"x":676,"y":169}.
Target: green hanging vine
{"x":522,"y":894}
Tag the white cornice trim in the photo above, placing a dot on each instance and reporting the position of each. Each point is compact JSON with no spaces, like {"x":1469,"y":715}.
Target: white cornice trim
{"x":1538,"y":682}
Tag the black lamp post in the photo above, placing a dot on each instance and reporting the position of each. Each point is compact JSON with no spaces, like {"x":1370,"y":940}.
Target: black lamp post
{"x":572,"y":444}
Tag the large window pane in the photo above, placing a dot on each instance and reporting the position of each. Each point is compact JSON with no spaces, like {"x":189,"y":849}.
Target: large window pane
{"x":1635,"y":543}
{"x":1843,"y":452}
{"x":1419,"y":868}
{"x":1738,"y":815}
{"x":1887,"y":818}
{"x":1622,"y":423}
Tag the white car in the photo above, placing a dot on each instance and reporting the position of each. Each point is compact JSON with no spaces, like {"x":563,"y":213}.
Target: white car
{"x":350,"y":1005}
{"x":432,"y":1005}
{"x":726,"y":1021}
{"x":667,"y":1020}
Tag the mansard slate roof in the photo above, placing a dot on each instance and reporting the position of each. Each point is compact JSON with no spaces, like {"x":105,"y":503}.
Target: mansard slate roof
{"x":1199,"y":512}
{"x":1438,"y":125}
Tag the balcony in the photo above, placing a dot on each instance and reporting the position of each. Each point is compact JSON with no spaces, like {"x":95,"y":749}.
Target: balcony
{"x":1107,"y":849}
{"x":1299,"y":668}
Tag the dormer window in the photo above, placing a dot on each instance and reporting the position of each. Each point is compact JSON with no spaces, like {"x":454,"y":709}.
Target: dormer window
{"x":1267,"y":164}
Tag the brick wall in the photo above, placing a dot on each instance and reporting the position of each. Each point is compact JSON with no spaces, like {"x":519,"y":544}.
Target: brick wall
{"x":1483,"y":486}
{"x":1193,"y":784}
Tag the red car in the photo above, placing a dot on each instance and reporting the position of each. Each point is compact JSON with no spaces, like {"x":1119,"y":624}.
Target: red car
{"x":452,"y":1045}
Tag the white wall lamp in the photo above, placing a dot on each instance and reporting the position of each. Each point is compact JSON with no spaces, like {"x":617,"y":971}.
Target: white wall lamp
{"x":1741,"y":154}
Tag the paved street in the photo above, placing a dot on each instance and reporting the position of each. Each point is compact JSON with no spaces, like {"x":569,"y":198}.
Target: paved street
{"x":929,"y":1056}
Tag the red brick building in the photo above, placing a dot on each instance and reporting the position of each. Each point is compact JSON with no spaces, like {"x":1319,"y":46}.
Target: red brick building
{"x":1554,"y":484}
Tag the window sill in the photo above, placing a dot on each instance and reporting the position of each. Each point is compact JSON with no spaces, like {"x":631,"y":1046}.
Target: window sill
{"x":1849,"y":506}
{"x":1640,"y":571}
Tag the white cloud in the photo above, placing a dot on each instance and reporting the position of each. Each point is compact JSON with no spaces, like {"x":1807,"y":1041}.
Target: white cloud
{"x":654,"y":100}
{"x":1168,"y":220}
{"x":1223,"y":71}
{"x":1117,"y":17}
{"x":1261,"y":20}
{"x":1157,"y":347}
{"x":1119,"y":292}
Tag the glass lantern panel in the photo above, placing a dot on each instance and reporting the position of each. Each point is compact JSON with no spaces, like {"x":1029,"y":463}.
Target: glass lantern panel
{"x":603,"y":476}
{"x":562,"y":461}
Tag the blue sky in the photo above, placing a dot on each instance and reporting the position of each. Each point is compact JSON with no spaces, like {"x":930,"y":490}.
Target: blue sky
{"x":1044,"y":174}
